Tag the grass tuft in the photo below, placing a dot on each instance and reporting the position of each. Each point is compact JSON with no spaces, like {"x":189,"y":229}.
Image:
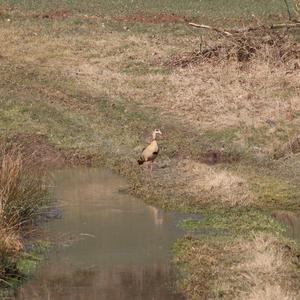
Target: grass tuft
{"x":235,"y":222}
{"x":238,"y":267}
{"x":21,"y":198}
{"x":21,"y":195}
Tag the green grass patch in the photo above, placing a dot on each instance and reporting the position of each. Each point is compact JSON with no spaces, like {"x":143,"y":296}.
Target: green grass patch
{"x":234,"y":222}
{"x":216,"y":9}
{"x":23,"y":267}
{"x":218,"y":138}
{"x":29,"y":261}
{"x":276,"y":192}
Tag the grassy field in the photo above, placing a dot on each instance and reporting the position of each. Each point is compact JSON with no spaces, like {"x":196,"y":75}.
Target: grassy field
{"x":96,"y":78}
{"x":218,"y":8}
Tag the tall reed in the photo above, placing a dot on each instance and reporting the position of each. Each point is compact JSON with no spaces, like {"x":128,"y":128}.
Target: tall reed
{"x":22,"y":195}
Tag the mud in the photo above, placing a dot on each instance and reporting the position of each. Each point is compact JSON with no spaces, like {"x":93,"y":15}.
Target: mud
{"x":213,"y":157}
{"x":38,"y":152}
{"x":54,"y":14}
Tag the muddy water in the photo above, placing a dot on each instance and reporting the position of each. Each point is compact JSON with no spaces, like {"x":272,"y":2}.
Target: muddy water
{"x":112,"y":246}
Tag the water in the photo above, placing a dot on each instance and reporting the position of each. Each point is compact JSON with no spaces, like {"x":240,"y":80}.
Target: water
{"x":112,"y":246}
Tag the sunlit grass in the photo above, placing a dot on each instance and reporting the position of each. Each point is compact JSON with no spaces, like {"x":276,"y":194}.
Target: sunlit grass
{"x":218,"y":8}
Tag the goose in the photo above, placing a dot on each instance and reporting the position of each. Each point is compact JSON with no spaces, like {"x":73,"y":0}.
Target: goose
{"x":150,"y":152}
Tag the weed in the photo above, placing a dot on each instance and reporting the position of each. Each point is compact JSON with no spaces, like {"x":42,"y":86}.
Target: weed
{"x":235,"y":222}
{"x":21,"y":196}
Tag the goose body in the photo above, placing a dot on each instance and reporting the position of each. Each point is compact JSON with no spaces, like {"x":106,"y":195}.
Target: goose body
{"x":151,"y":151}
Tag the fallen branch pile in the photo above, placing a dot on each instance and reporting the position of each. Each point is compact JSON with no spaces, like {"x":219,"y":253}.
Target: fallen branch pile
{"x":265,"y":42}
{"x":245,"y":30}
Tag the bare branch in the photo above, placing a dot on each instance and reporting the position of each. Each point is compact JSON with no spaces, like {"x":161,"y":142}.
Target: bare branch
{"x":223,"y":32}
{"x":244,"y":30}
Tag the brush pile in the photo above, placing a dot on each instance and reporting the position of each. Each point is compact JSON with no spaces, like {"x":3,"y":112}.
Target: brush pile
{"x":276,"y":47}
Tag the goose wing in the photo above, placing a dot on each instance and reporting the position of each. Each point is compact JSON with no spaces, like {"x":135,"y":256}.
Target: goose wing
{"x":151,"y":151}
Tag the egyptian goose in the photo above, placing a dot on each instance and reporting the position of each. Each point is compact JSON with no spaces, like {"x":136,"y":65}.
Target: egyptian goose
{"x":151,"y":151}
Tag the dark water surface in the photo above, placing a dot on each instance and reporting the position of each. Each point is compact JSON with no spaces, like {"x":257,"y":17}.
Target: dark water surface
{"x":111,"y":245}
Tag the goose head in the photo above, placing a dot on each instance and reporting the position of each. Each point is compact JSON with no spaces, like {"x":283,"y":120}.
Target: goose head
{"x":155,"y":132}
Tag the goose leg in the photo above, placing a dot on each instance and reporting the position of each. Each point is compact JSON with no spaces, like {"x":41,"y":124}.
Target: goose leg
{"x":149,"y":167}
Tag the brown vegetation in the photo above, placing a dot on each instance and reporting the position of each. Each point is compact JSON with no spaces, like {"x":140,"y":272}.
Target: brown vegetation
{"x":38,"y":153}
{"x":272,"y":47}
{"x":211,"y":184}
{"x":291,"y":147}
{"x":55,"y":14}
{"x":24,"y":158}
{"x":241,"y":93}
{"x":261,"y":267}
{"x":21,"y":198}
{"x":212,"y":157}
{"x":21,"y":195}
{"x":152,"y":18}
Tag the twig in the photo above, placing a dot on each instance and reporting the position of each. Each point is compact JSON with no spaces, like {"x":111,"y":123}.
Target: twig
{"x":238,"y":31}
{"x":211,"y":28}
{"x":273,"y":26}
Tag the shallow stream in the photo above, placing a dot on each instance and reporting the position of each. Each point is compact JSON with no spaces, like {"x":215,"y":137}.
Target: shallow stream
{"x":110,"y":244}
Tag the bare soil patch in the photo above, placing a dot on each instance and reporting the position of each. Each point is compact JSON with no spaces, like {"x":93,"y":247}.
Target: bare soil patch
{"x":38,"y":152}
{"x":213,"y":157}
{"x":54,"y":14}
{"x":38,"y":149}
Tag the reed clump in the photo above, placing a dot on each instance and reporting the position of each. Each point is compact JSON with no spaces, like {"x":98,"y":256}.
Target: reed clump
{"x":21,"y":198}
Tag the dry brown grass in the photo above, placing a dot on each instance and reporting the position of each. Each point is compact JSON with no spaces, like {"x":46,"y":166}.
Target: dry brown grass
{"x":225,"y":96}
{"x":270,"y":292}
{"x":208,"y":182}
{"x":289,"y":148}
{"x":264,"y":263}
{"x":296,"y":7}
{"x":21,"y":195}
{"x":260,"y":267}
{"x":210,"y":96}
{"x":21,"y":198}
{"x":9,"y":179}
{"x":10,"y":242}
